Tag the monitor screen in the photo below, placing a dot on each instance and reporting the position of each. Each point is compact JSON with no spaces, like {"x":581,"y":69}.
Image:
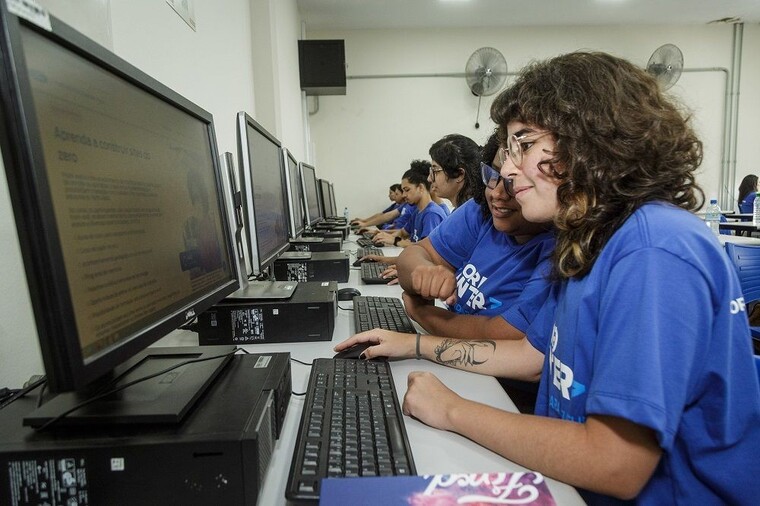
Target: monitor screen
{"x":116,"y":190}
{"x":295,"y":194}
{"x":324,"y":194}
{"x":264,"y":194}
{"x":333,"y":207}
{"x":310,"y":194}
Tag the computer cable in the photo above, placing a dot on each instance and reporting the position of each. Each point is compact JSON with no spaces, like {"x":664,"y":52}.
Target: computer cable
{"x":22,"y":392}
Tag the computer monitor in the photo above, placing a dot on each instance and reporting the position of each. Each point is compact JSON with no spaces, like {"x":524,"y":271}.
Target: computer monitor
{"x":116,"y":192}
{"x":310,"y":194}
{"x":295,"y":194}
{"x":264,"y":194}
{"x":324,"y":195}
{"x":333,"y":206}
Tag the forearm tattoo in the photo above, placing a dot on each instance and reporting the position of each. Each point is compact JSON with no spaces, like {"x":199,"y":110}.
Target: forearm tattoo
{"x":455,"y":352}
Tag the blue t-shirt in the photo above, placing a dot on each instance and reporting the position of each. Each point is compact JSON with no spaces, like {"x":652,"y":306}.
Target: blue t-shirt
{"x":495,"y":275}
{"x":387,"y":210}
{"x":390,"y":208}
{"x":445,"y":208}
{"x":405,"y":212}
{"x":656,"y":333}
{"x":748,"y":202}
{"x":421,"y":223}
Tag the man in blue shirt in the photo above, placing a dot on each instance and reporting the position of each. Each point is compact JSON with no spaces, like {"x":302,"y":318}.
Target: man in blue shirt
{"x":426,"y":214}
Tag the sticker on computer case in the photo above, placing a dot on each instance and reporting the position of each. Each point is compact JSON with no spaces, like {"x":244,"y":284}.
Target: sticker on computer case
{"x":48,"y":481}
{"x":262,"y":362}
{"x":117,"y":463}
{"x":247,"y":325}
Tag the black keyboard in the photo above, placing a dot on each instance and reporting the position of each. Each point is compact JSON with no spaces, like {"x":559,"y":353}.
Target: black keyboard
{"x":365,"y":243}
{"x":369,"y":250}
{"x":351,"y":425}
{"x":388,"y":313}
{"x":372,"y":273}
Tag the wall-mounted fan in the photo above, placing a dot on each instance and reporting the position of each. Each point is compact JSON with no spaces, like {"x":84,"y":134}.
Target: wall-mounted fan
{"x":485,"y":72}
{"x":666,"y":65}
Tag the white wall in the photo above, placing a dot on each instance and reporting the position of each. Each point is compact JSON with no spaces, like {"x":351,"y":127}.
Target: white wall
{"x":365,"y":139}
{"x":213,"y":67}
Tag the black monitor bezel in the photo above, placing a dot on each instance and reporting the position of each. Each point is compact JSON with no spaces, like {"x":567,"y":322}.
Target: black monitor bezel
{"x":333,"y":206}
{"x":324,"y":197}
{"x":295,"y":205}
{"x":311,"y":220}
{"x":25,"y":169}
{"x":259,"y":266}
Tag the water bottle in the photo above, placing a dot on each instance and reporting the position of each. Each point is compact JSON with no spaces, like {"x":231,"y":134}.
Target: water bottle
{"x":712,"y":216}
{"x":345,"y":213}
{"x":756,"y":210}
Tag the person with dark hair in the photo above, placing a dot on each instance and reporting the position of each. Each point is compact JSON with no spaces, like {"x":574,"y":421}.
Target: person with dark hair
{"x":386,"y":216}
{"x":747,"y":193}
{"x":648,"y":387}
{"x":427,"y":214}
{"x":483,"y":262}
{"x":454,"y":168}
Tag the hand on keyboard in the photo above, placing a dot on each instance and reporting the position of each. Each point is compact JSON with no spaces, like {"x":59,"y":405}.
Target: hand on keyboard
{"x":385,"y":343}
{"x":391,"y":273}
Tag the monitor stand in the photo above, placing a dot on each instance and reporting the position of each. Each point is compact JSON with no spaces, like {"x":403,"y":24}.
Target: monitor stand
{"x":266,"y":290}
{"x":164,"y":399}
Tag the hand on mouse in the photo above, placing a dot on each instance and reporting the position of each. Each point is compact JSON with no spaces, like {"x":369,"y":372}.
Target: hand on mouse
{"x":385,"y":343}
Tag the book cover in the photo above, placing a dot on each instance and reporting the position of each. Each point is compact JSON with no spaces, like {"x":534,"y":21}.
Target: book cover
{"x":438,"y":490}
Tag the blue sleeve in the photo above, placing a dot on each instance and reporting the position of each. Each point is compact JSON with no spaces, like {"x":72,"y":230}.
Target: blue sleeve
{"x":747,"y":204}
{"x":521,"y":313}
{"x":430,"y":221}
{"x":403,"y":218}
{"x":409,"y":224}
{"x":539,"y":331}
{"x":654,"y":317}
{"x":457,"y":236}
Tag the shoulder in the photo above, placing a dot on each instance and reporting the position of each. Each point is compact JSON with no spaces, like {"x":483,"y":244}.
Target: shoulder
{"x":662,"y":228}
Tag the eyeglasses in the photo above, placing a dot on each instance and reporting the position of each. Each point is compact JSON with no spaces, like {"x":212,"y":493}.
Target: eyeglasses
{"x":516,"y":147}
{"x":491,"y":179}
{"x":433,"y":172}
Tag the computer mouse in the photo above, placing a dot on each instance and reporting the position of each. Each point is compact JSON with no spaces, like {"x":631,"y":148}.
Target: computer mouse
{"x":356,"y":350}
{"x":348,"y":293}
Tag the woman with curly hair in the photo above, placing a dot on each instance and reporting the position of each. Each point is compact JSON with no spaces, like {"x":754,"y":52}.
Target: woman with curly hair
{"x":648,"y":388}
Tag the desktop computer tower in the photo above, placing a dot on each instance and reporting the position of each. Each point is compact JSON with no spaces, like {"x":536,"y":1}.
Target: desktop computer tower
{"x":219,"y":454}
{"x":309,"y":315}
{"x":343,"y":228}
{"x":325,"y":244}
{"x":322,"y":266}
{"x":324,"y":232}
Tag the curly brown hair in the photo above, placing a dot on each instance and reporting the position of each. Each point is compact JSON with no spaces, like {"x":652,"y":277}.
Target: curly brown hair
{"x":619,"y":144}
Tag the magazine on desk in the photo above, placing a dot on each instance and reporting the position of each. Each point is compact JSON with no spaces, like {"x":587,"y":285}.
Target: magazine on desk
{"x":438,"y":490}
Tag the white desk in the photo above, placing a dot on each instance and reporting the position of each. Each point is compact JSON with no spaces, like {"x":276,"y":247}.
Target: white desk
{"x":434,"y":451}
{"x":739,"y":239}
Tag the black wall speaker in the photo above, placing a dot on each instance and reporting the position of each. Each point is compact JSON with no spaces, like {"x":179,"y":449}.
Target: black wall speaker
{"x":322,"y":64}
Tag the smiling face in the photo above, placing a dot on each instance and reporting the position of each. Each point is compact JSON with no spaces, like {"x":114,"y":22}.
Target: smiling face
{"x":506,"y":213}
{"x":535,"y":191}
